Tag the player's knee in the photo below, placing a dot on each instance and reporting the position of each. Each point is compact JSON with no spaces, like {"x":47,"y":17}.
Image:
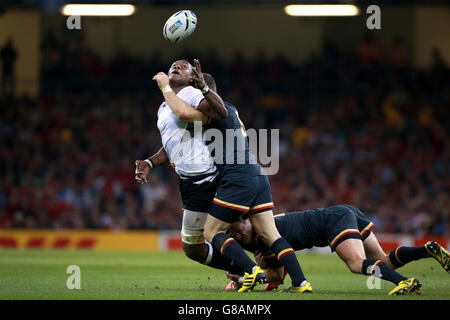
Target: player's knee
{"x":355,"y":265}
{"x":269,"y":238}
{"x":196,"y":252}
{"x":209,"y":234}
{"x":265,"y":227}
{"x":194,"y":245}
{"x":211,"y":229}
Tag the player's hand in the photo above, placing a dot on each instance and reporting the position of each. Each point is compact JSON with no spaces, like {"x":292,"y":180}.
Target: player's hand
{"x":141,"y":172}
{"x":161,"y":79}
{"x":198,"y":81}
{"x":233,"y":277}
{"x":260,"y":259}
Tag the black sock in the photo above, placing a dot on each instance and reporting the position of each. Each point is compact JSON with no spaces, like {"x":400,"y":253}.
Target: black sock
{"x":218,"y":261}
{"x":403,"y":255}
{"x":286,"y":255}
{"x":231,"y":249}
{"x":384,"y":272}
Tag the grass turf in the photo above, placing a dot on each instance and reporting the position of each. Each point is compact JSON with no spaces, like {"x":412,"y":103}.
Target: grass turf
{"x":41,"y":274}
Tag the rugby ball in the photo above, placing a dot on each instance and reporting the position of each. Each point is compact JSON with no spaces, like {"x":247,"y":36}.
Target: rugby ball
{"x":180,"y":26}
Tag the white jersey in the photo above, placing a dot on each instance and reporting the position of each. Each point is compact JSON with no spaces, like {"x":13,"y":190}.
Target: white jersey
{"x":185,"y":149}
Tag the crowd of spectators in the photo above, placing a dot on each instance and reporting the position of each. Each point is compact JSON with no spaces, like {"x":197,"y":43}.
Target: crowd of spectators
{"x":361,"y":127}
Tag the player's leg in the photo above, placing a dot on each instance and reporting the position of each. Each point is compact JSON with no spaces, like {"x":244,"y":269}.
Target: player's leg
{"x":345,"y":239}
{"x":351,"y":251}
{"x":215,"y":233}
{"x":371,"y":245}
{"x":373,"y":250}
{"x":264,"y":225}
{"x":197,"y":248}
{"x":193,"y":240}
{"x":231,"y":200}
{"x":404,"y":254}
{"x":401,"y":255}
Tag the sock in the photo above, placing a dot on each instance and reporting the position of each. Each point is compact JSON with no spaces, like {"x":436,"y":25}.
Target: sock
{"x":385,"y":272}
{"x":286,"y":255}
{"x":403,"y":255}
{"x":216,"y":260}
{"x":232,"y":250}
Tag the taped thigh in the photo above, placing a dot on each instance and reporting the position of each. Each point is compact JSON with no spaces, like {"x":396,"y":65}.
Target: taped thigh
{"x":193,"y":227}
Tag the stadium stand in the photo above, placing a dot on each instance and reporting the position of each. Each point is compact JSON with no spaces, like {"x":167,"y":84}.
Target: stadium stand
{"x":363,"y":128}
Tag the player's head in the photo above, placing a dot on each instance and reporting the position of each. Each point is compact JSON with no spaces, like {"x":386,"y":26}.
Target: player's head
{"x":210,"y":82}
{"x":180,"y":72}
{"x":241,"y":230}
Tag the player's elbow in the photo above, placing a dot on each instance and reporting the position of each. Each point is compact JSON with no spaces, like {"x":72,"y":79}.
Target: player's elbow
{"x":219,"y":111}
{"x":185,"y":116}
{"x":223,"y":113}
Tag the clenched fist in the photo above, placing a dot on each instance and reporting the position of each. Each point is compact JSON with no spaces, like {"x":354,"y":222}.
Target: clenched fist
{"x":161,"y":79}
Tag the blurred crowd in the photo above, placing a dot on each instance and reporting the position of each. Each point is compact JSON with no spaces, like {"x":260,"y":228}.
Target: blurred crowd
{"x":360,"y":127}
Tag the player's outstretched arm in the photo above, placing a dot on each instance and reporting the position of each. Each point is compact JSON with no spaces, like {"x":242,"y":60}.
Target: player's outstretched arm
{"x":213,"y":105}
{"x":143,"y":166}
{"x":181,"y":109}
{"x":159,"y":158}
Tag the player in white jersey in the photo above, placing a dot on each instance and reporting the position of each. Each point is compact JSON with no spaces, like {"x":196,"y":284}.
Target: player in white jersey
{"x":196,"y":169}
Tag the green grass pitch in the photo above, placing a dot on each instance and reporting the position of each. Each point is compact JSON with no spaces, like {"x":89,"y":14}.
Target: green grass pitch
{"x":41,"y":274}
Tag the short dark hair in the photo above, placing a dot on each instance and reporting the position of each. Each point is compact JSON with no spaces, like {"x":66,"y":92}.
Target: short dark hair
{"x":210,"y":82}
{"x":183,"y":61}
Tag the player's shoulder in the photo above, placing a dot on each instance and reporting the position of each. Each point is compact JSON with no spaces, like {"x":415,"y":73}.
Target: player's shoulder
{"x":188,"y":91}
{"x":191,"y":96}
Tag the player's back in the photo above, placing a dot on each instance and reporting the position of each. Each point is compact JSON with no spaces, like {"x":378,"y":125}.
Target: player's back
{"x":243,"y":185}
{"x":302,"y":229}
{"x":323,"y":226}
{"x":233,"y":154}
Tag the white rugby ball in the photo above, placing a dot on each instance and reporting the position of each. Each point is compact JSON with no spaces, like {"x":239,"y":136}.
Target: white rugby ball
{"x":180,"y":26}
